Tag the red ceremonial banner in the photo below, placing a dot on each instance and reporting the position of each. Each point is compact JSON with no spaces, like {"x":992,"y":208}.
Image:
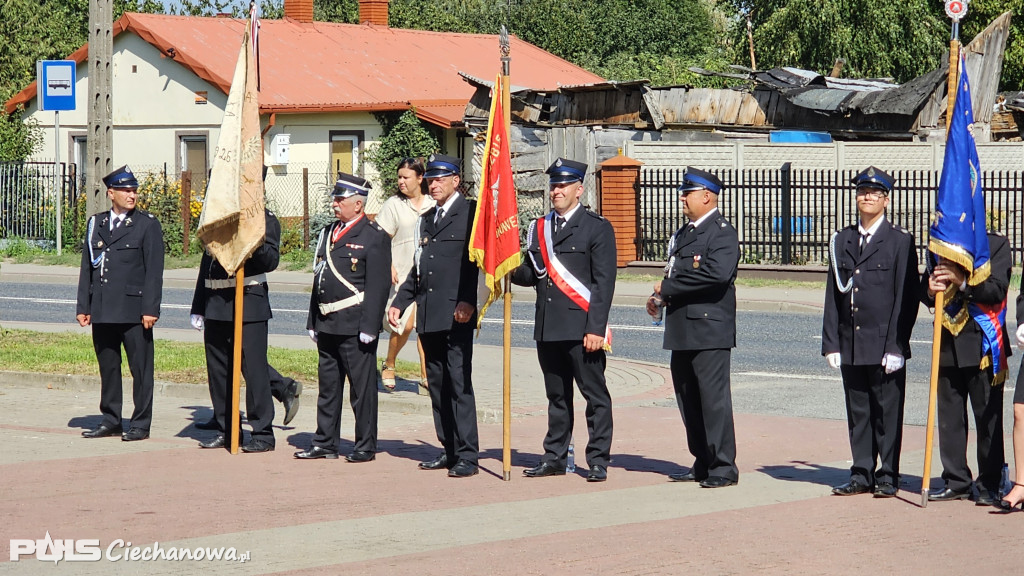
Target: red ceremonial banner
{"x":494,"y":243}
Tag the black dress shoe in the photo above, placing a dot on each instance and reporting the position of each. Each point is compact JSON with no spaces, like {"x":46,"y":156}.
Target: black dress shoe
{"x":257,"y":445}
{"x":360,"y":456}
{"x":291,"y":402}
{"x":683,"y":477}
{"x":597,"y":474}
{"x":134,"y":434}
{"x":544,"y":469}
{"x":316,"y":452}
{"x":885,"y":490}
{"x":944,"y":494}
{"x":464,"y":469}
{"x":986,"y":498}
{"x":850,"y":488}
{"x":435,"y":464}
{"x":102,"y":431}
{"x":717,"y":482}
{"x":210,"y":424}
{"x":219,"y":442}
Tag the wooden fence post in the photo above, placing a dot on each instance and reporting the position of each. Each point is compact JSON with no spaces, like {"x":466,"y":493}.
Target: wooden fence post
{"x":186,"y":210}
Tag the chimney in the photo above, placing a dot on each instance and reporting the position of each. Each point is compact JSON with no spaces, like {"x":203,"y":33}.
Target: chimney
{"x":299,"y":10}
{"x":373,"y":12}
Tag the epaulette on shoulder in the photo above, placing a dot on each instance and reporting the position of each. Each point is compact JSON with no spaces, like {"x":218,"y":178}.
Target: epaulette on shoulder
{"x":271,"y":212}
{"x":594,"y":214}
{"x":997,"y":233}
{"x":150,"y":215}
{"x":375,"y":226}
{"x":900,"y":229}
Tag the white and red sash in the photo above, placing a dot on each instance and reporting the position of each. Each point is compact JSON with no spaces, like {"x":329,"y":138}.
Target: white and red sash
{"x":560,"y":275}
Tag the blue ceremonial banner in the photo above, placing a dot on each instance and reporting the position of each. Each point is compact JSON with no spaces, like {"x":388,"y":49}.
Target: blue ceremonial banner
{"x":958,"y":230}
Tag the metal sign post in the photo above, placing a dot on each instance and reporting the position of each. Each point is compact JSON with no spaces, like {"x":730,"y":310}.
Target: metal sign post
{"x":55,"y":85}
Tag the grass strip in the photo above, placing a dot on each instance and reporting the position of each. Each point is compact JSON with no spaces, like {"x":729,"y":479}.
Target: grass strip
{"x":185,"y":362}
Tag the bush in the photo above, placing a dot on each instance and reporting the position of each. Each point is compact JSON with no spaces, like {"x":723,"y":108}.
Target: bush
{"x":162,"y":199}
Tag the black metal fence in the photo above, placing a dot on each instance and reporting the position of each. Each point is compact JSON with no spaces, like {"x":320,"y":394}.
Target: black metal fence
{"x":29,"y":192}
{"x":786,"y":216}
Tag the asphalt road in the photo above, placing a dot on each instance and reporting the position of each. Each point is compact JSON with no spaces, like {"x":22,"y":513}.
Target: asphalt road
{"x":777,"y":366}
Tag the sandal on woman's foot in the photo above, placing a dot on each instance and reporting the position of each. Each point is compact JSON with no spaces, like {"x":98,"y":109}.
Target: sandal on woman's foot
{"x":387,"y":377}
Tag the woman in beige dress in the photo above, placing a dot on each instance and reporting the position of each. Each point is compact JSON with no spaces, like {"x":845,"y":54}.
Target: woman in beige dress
{"x":398,"y":217}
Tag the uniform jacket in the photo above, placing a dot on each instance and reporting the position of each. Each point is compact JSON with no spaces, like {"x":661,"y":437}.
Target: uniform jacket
{"x":363,"y":258}
{"x":446,"y":275}
{"x":586,"y":246}
{"x":127,"y":281}
{"x":964,"y":350}
{"x":219,"y":303}
{"x":877,"y":315}
{"x":699,"y":291}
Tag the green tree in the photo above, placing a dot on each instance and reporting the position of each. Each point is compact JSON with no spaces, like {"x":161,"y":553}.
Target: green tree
{"x":900,"y":40}
{"x":979,"y":15}
{"x":404,"y":135}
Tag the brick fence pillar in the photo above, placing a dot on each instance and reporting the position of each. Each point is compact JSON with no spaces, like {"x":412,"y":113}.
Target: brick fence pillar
{"x":619,"y":179}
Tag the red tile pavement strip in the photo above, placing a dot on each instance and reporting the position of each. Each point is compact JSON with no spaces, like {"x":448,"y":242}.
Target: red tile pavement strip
{"x":387,"y":517}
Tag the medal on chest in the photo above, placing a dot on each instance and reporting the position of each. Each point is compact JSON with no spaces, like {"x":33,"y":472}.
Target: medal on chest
{"x":354,"y":261}
{"x":696,"y":261}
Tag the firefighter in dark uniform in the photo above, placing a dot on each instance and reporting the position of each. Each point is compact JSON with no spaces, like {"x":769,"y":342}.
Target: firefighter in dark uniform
{"x":285,"y":390}
{"x":119,"y":291}
{"x":870,"y":309}
{"x":443,"y":283}
{"x":699,"y":300}
{"x":351,"y":281}
{"x":966,"y":372}
{"x":213,"y":309}
{"x":571,"y":262}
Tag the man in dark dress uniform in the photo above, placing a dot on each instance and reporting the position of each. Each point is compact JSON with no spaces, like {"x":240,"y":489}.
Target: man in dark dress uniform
{"x":699,"y":297}
{"x":222,"y":301}
{"x":351,"y":280}
{"x":119,"y":291}
{"x":965,"y":371}
{"x":213,"y":309}
{"x":571,"y":262}
{"x":870,"y":310}
{"x":443,"y":284}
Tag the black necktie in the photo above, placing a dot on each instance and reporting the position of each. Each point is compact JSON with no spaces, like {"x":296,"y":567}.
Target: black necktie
{"x":438,"y":215}
{"x":559,"y":222}
{"x":863,"y":243}
{"x":117,"y":223}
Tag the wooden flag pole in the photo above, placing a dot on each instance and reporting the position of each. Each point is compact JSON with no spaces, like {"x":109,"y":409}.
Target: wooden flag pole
{"x":952,"y":85}
{"x":506,"y":401}
{"x":236,"y":364}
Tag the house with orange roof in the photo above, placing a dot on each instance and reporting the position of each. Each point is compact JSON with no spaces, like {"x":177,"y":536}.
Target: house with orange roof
{"x":320,"y":86}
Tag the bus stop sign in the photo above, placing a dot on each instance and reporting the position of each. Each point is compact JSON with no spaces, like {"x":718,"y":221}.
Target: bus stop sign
{"x":55,"y":84}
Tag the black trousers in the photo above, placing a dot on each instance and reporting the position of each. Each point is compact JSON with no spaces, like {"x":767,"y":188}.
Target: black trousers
{"x":704,"y":396}
{"x":341,"y":357}
{"x":874,"y":417}
{"x":280,"y":386}
{"x":449,"y":357}
{"x":107,"y":340}
{"x":562,"y":362}
{"x":219,"y":339}
{"x":955,"y":386}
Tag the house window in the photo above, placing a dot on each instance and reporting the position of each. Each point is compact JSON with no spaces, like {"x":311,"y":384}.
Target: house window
{"x":79,"y":156}
{"x":345,"y":152}
{"x":193,"y":156}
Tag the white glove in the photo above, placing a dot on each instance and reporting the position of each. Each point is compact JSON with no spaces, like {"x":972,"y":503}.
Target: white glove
{"x":366,"y":338}
{"x":312,"y":335}
{"x":198,"y":322}
{"x":1020,"y":336}
{"x":892,"y":362}
{"x":834,"y":360}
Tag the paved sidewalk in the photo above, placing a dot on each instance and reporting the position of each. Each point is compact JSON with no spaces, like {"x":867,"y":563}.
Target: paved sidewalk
{"x":387,"y":517}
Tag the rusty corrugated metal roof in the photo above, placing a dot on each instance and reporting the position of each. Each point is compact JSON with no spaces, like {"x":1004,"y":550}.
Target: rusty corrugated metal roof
{"x":345,"y":67}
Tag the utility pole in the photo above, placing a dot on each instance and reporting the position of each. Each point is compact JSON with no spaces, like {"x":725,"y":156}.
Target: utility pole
{"x":100,"y":136}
